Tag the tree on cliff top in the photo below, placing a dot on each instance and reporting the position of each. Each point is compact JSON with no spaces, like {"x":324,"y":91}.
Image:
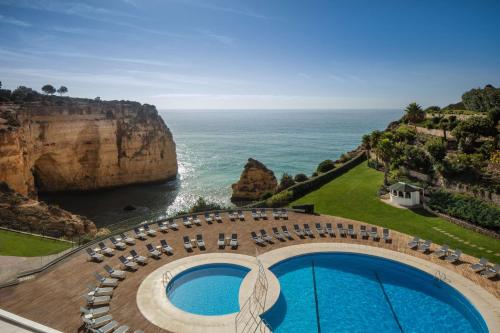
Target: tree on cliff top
{"x":49,"y":89}
{"x":62,"y":90}
{"x":414,"y":113}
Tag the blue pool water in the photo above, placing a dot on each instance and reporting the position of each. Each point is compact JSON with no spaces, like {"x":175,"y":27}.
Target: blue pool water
{"x":208,"y":290}
{"x":342,"y":292}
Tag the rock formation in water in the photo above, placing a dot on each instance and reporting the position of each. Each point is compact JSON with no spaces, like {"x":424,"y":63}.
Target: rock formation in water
{"x":255,"y":180}
{"x":71,"y":144}
{"x":20,"y":213}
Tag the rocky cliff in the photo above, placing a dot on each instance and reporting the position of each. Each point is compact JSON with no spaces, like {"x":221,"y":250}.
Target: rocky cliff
{"x":61,"y":144}
{"x":255,"y":180}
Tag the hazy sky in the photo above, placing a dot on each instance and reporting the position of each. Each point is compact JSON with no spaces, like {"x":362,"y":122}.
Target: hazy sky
{"x":254,"y":54}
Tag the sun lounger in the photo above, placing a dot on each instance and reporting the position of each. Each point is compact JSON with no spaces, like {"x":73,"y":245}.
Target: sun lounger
{"x":307,"y":230}
{"x":350,"y":230}
{"x":93,"y":256}
{"x":186,"y":222}
{"x":218,"y":217}
{"x":127,"y":263}
{"x":172,"y":224}
{"x":153,"y":252}
{"x":106,"y":250}
{"x":255,"y":215}
{"x":138,"y":258}
{"x":118,"y":245}
{"x":139,"y":234}
{"x":479,"y":266}
{"x":199,"y":241}
{"x":208,"y":218}
{"x":386,"y":235}
{"x":491,"y":272}
{"x":106,"y":282}
{"x":342,"y":230}
{"x":150,"y":231}
{"x":284,"y":214}
{"x":196,"y":220}
{"x":187,"y":243}
{"x":286,"y":232}
{"x":108,"y":328}
{"x":277,"y":234}
{"x":414,"y":242}
{"x":299,"y":232}
{"x":221,"y":242}
{"x":97,"y":300}
{"x":166,"y":248}
{"x":265,"y":236}
{"x":320,"y":229}
{"x":362,"y":231}
{"x":263,"y":214}
{"x":257,"y":239}
{"x":425,"y":246}
{"x":127,"y":239}
{"x":94,"y":312}
{"x":241,"y":216}
{"x":122,"y":329}
{"x":442,"y":251}
{"x":232,"y":216}
{"x":97,"y":322}
{"x":276,"y":214}
{"x":234,"y":241}
{"x":374,"y":233}
{"x":99,"y":291}
{"x":114,"y":273}
{"x":162,"y":226}
{"x":329,"y":229}
{"x":454,"y":257}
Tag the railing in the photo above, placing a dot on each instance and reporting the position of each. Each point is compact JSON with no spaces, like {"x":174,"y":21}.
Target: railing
{"x":166,"y":278}
{"x":440,"y":277}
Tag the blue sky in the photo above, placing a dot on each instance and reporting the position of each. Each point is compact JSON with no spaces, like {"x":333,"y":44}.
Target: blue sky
{"x":254,"y":54}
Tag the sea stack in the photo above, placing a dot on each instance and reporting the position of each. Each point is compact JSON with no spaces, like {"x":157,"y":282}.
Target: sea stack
{"x":255,"y":180}
{"x":74,"y":144}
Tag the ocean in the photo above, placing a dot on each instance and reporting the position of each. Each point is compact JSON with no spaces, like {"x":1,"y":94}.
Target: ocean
{"x":213,"y":147}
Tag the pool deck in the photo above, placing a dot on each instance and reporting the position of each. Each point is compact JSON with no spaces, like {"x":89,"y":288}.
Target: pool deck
{"x":53,"y":298}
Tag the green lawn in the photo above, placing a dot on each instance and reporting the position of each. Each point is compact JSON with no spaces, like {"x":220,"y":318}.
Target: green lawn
{"x":15,"y":244}
{"x":354,"y":195}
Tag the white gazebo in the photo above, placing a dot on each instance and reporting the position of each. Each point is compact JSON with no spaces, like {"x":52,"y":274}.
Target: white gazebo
{"x":403,"y":194}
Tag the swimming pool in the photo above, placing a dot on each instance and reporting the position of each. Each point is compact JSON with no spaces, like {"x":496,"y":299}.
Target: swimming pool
{"x":344,"y":292}
{"x":208,"y":290}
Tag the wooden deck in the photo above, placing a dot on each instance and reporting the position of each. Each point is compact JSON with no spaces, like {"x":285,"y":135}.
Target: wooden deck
{"x":54,"y":297}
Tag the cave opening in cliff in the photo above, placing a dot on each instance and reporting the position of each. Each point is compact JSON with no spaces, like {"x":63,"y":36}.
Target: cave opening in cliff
{"x":45,"y":174}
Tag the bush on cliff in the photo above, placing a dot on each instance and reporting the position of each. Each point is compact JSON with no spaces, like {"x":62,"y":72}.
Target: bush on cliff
{"x":201,"y":205}
{"x":325,"y":166}
{"x":280,"y":199}
{"x":300,"y":177}
{"x":285,"y":182}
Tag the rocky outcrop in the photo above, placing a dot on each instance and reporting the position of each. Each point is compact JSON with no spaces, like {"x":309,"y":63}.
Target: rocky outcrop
{"x":61,"y":144}
{"x":255,"y":180}
{"x":20,"y":213}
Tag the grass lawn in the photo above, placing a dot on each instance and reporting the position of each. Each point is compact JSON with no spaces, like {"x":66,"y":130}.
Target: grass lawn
{"x":15,"y":244}
{"x":354,"y":195}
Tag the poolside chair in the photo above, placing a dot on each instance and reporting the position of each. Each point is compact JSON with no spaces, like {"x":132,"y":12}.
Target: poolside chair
{"x":362,"y":231}
{"x":221,"y":242}
{"x":127,"y":263}
{"x":153,"y":252}
{"x":454,"y":257}
{"x":118,"y":245}
{"x":218,"y":218}
{"x":386,"y":235}
{"x":97,"y":300}
{"x":166,"y":248}
{"x":106,"y":282}
{"x":414,"y":242}
{"x":122,"y":329}
{"x":276,"y":214}
{"x":307,"y":230}
{"x":186,"y":222}
{"x":491,"y":272}
{"x":173,"y":225}
{"x":425,"y":246}
{"x":106,"y":250}
{"x":99,"y":291}
{"x":374,"y":233}
{"x":479,"y":266}
{"x":97,"y":322}
{"x":257,"y":239}
{"x":442,"y":251}
{"x":284,"y":214}
{"x":234,"y":241}
{"x":108,"y":328}
{"x":320,"y":229}
{"x":263,"y":214}
{"x":139,"y":234}
{"x":127,"y":239}
{"x":342,"y":230}
{"x":138,"y":258}
{"x":196,"y":220}
{"x":115,"y":273}
{"x":93,"y":256}
{"x":278,"y":235}
{"x":162,"y":226}
{"x":187,"y":243}
{"x":255,"y":215}
{"x":241,"y":216}
{"x":286,"y":232}
{"x":350,"y":230}
{"x":265,"y":236}
{"x":329,"y":229}
{"x":299,"y":232}
{"x":150,"y":231}
{"x":232,"y":216}
{"x":200,"y":242}
{"x":94,"y":312}
{"x":208,"y":218}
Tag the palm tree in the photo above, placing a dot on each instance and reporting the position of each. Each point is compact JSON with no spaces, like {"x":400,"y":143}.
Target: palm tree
{"x":385,"y":149}
{"x":414,"y":113}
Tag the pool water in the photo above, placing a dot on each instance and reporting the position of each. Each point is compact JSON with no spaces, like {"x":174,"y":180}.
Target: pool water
{"x":208,"y":290}
{"x":342,"y":292}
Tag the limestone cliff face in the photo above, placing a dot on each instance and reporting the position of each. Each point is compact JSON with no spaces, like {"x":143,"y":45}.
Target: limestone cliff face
{"x":255,"y":180}
{"x":63,"y":144}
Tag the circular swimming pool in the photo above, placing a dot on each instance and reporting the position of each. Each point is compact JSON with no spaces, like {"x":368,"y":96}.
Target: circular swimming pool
{"x":344,"y":292}
{"x":209,"y":290}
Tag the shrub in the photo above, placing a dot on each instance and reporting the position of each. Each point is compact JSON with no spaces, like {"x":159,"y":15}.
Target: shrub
{"x":436,"y":148}
{"x":325,"y":166}
{"x":285,"y":182}
{"x":300,"y":177}
{"x":280,"y":199}
{"x":459,"y":164}
{"x":24,"y":94}
{"x":415,"y":158}
{"x":314,"y":174}
{"x":432,"y":109}
{"x":266,"y":195}
{"x":482,"y":100}
{"x":405,"y":133}
{"x":202,"y":205}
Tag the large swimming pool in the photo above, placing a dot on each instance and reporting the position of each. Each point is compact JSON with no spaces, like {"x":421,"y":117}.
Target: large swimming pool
{"x":342,"y":292}
{"x":208,"y":290}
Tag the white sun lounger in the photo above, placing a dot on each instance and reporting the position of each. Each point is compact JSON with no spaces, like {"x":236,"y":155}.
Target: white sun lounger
{"x":362,"y":231}
{"x":277,"y":234}
{"x":454,"y":256}
{"x":255,"y":215}
{"x":307,"y":230}
{"x":329,"y":229}
{"x":491,"y":272}
{"x":108,"y":328}
{"x":286,"y":232}
{"x":99,"y":291}
{"x":162,"y":226}
{"x":265,"y":236}
{"x":263,"y":214}
{"x":172,"y":224}
{"x":105,"y":282}
{"x":386,"y":235}
{"x":241,"y":216}
{"x":342,"y":230}
{"x":221,"y":242}
{"x":97,"y":300}
{"x":97,"y":322}
{"x":479,"y":266}
{"x":186,"y":222}
{"x":138,"y":258}
{"x":257,"y":239}
{"x":94,"y":312}
{"x":153,"y":252}
{"x":425,"y":246}
{"x":234,"y":241}
{"x":165,"y":247}
{"x":128,"y":264}
{"x":320,"y":230}
{"x":298,"y":231}
{"x":232,"y":216}
{"x":93,"y":256}
{"x":217,"y":217}
{"x":115,"y":273}
{"x":200,"y":242}
{"x":208,"y":218}
{"x":187,"y":243}
{"x":196,"y":219}
{"x":139,"y":234}
{"x":442,"y":251}
{"x":150,"y":231}
{"x":106,"y":250}
{"x":127,"y":239}
{"x":122,"y":329}
{"x":414,"y":242}
{"x":284,"y":214}
{"x":118,"y":245}
{"x":276,"y":214}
